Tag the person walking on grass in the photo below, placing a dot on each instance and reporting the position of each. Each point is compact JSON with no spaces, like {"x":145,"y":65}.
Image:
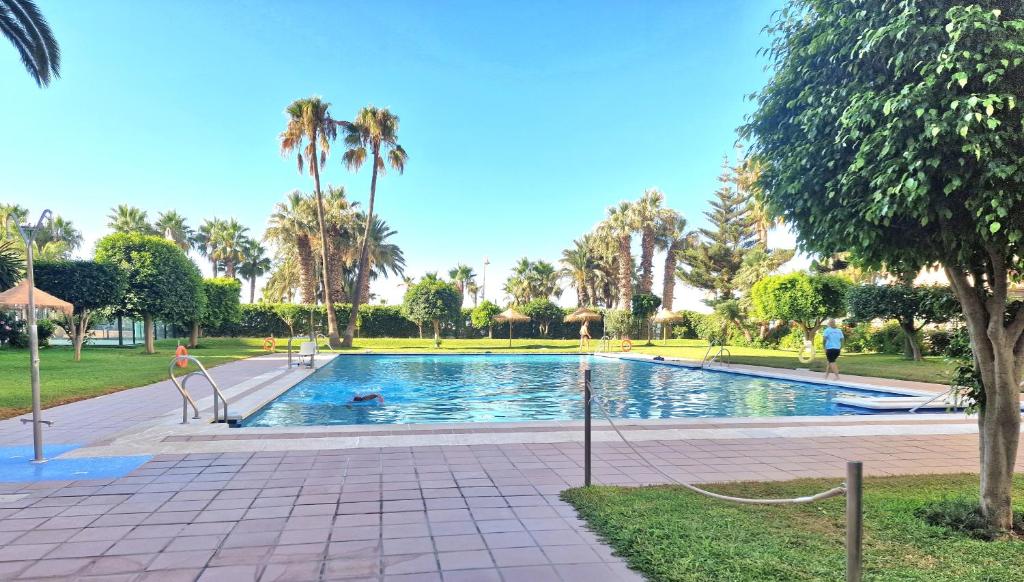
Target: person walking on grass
{"x":833,"y":344}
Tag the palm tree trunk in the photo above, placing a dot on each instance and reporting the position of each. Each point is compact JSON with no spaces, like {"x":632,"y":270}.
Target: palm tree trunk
{"x":647,"y":259}
{"x":364,"y":291}
{"x":307,"y":278}
{"x":361,"y":272}
{"x":332,"y":317}
{"x":337,"y":276}
{"x":668,"y":285}
{"x":625,"y":273}
{"x":252,"y":290}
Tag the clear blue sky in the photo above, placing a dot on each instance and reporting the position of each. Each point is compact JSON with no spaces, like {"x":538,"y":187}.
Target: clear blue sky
{"x":523,"y":120}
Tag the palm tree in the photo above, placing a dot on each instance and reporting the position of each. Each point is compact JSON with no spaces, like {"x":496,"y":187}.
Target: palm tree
{"x":543,"y":279}
{"x":23,"y":25}
{"x":227,"y":243}
{"x":310,"y":126}
{"x":374,"y":133}
{"x":128,"y":219}
{"x":283,"y":282}
{"x":647,"y":216}
{"x":384,"y":258}
{"x":17,"y":212}
{"x":619,"y":226}
{"x":291,"y":227}
{"x":342,"y":224}
{"x":175,"y":228}
{"x":57,"y":239}
{"x":255,"y":264}
{"x":204,"y":240}
{"x":578,"y":267}
{"x":462,"y":276}
{"x":11,"y":265}
{"x":673,"y":238}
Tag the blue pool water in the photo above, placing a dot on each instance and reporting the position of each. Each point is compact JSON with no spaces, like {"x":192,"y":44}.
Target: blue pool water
{"x":513,"y":388}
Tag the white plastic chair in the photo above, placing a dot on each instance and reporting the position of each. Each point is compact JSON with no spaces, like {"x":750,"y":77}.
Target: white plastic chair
{"x":307,"y":350}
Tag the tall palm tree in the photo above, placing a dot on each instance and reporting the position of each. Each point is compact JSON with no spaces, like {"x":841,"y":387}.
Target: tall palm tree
{"x":383,"y":258}
{"x":543,"y":278}
{"x":310,"y":126}
{"x":673,"y":238}
{"x":11,"y":265}
{"x":128,"y":219}
{"x":175,"y":228}
{"x":255,"y":263}
{"x":228,"y":242}
{"x":23,"y":25}
{"x":17,"y":212}
{"x":342,"y":223}
{"x":291,"y":228}
{"x":578,"y":267}
{"x":647,"y":218}
{"x":204,"y":241}
{"x":619,"y":227}
{"x":283,"y":283}
{"x":374,"y":133}
{"x":462,"y":275}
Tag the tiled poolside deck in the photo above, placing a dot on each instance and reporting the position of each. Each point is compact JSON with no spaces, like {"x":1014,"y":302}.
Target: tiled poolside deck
{"x":480,"y":512}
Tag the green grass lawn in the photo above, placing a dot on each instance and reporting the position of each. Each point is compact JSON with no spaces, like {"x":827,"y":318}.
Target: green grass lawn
{"x":106,"y":369}
{"x":671,"y":534}
{"x":101,"y":371}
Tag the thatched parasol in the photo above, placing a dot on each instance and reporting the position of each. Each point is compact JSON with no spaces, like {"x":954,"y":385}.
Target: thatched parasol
{"x":668,"y":317}
{"x":511,"y":316}
{"x":583,"y":314}
{"x":17,"y":297}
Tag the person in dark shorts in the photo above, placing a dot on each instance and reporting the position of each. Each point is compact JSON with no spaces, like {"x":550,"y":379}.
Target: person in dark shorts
{"x":365,"y":399}
{"x":833,"y":345}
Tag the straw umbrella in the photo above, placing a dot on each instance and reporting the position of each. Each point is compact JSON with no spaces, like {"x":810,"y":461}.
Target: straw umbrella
{"x":511,"y":316}
{"x":17,"y":297}
{"x":666,"y":317}
{"x":583,"y":315}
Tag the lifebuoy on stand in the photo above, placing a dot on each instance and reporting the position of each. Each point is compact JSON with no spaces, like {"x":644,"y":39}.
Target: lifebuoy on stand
{"x":181,"y":354}
{"x":627,"y":345}
{"x":269,"y":344}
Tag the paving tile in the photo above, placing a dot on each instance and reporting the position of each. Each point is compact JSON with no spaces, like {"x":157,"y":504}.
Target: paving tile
{"x":484,"y":575}
{"x":459,"y":542}
{"x":350,"y":568}
{"x":528,"y":556}
{"x":571,"y":554}
{"x":298,"y":572}
{"x":52,"y":567}
{"x":530,"y":574}
{"x":230,"y":573}
{"x":410,"y":564}
{"x":464,"y":560}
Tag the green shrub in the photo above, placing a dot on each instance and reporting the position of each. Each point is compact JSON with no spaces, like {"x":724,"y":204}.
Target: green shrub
{"x":712,"y":328}
{"x":12,"y":331}
{"x":937,"y":341}
{"x":44,"y":330}
{"x":964,"y":516}
{"x":619,"y":323}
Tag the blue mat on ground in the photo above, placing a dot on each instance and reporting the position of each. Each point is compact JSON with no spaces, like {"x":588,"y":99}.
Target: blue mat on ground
{"x":16,"y":465}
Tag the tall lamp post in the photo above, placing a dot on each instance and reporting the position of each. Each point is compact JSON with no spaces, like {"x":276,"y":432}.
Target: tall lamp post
{"x":483,"y":285}
{"x":28,"y":234}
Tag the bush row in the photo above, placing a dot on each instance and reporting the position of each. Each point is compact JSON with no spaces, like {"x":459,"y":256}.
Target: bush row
{"x":261,"y":320}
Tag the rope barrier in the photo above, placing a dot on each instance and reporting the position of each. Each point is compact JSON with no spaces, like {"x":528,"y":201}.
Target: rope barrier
{"x":834,"y":492}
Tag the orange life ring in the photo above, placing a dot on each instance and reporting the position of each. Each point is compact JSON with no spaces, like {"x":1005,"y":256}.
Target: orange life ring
{"x":269,"y":344}
{"x":180,"y":354}
{"x":627,"y":345}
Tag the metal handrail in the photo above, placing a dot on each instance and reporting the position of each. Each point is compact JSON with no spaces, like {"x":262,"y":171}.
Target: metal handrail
{"x":605,"y":344}
{"x":187,"y":398}
{"x":722,"y":351}
{"x":953,"y":393}
{"x":317,"y":342}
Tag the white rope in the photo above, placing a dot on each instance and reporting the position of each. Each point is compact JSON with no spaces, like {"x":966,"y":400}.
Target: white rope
{"x":834,"y":492}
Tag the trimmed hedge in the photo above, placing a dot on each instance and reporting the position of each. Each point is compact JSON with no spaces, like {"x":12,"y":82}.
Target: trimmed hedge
{"x":261,"y":320}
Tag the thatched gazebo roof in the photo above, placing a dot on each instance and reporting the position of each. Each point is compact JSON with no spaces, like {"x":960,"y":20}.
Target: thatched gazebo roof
{"x":669,"y":317}
{"x":510,"y":315}
{"x":17,"y":297}
{"x":583,"y":314}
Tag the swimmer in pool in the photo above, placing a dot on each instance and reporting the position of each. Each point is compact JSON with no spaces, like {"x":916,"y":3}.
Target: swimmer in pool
{"x":360,"y":398}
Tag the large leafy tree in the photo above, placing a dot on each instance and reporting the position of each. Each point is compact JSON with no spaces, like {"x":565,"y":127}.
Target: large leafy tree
{"x":892,"y":129}
{"x":310,"y":131}
{"x":374,"y":135}
{"x":483,"y":316}
{"x":432,"y":300}
{"x":807,"y":300}
{"x":27,"y":29}
{"x":87,"y":285}
{"x":544,"y":312}
{"x":911,"y":307}
{"x":161,"y":280}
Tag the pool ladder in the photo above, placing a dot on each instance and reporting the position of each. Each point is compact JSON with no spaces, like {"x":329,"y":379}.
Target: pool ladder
{"x":186,"y":397}
{"x":722,"y":356}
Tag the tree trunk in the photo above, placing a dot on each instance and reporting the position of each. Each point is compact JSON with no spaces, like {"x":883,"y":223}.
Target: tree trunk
{"x":490,"y":331}
{"x":332,"y":317}
{"x":647,"y":259}
{"x":120,"y":331}
{"x":437,"y":332}
{"x":78,"y":333}
{"x":252,"y":290}
{"x":193,"y":338}
{"x":364,"y":254}
{"x":911,"y":350}
{"x":147,"y":331}
{"x":625,"y":273}
{"x":998,"y":356}
{"x":307,"y":276}
{"x":809,"y":330}
{"x":338,"y":294}
{"x":668,"y":284}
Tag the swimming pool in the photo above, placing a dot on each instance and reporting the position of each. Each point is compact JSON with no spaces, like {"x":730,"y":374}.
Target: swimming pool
{"x":515,"y":388}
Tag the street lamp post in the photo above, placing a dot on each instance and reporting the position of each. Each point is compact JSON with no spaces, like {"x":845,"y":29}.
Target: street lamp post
{"x":483,"y":285}
{"x":28,"y":234}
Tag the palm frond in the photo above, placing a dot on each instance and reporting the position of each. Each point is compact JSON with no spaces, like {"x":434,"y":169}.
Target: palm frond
{"x":24,"y":26}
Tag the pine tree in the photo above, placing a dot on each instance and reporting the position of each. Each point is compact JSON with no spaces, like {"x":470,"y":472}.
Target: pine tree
{"x":712,"y":264}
